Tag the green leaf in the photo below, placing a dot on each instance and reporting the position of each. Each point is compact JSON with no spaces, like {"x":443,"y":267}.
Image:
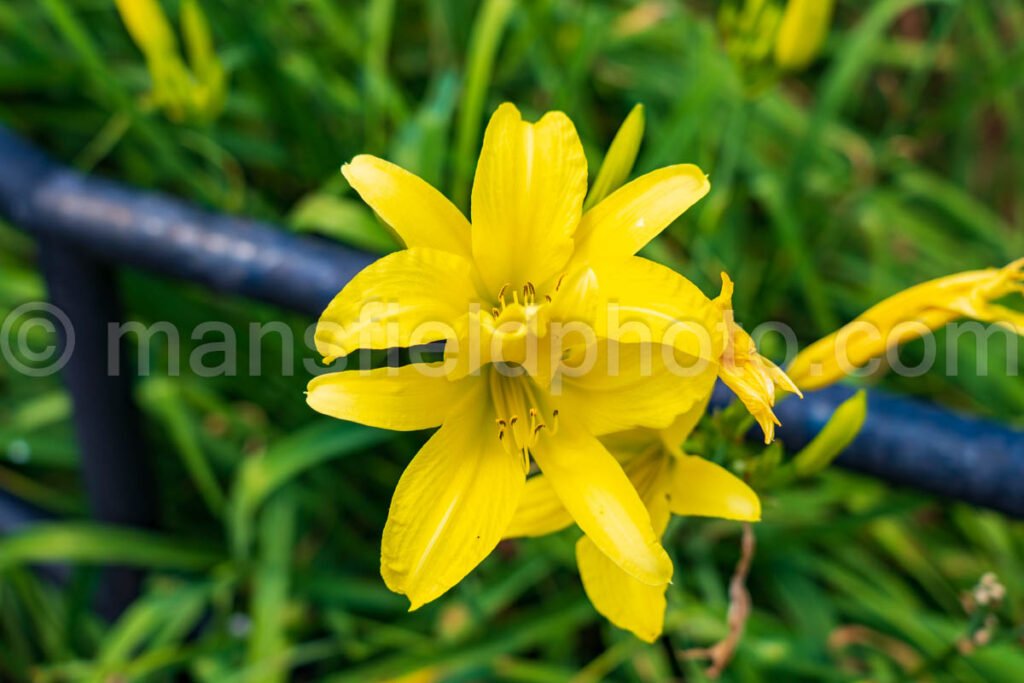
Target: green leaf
{"x":89,"y":543}
{"x":288,"y":458}
{"x":162,"y":399}
{"x":491,"y":20}
{"x":268,"y":642}
{"x":346,"y":220}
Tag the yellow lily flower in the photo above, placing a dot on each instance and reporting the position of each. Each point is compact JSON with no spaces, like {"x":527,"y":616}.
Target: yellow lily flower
{"x":908,"y":315}
{"x":518,"y":380}
{"x":751,"y":376}
{"x":669,"y":482}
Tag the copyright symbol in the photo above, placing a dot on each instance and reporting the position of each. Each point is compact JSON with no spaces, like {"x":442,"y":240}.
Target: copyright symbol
{"x":19,"y":339}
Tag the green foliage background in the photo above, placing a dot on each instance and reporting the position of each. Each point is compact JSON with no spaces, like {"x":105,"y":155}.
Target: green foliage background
{"x":897,"y":158}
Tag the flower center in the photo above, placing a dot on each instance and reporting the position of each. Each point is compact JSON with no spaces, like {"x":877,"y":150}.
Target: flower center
{"x":520,"y":415}
{"x":519,"y":326}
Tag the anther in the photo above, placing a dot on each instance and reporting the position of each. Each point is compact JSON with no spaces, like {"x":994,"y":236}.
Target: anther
{"x":504,"y":288}
{"x":547,"y":297}
{"x":495,"y":312}
{"x":559,"y":283}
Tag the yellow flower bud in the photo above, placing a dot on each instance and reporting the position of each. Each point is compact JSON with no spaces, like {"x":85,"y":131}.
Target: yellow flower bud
{"x":841,"y":429}
{"x":148,"y":27}
{"x":802,"y":33}
{"x":909,"y":315}
{"x":618,"y":163}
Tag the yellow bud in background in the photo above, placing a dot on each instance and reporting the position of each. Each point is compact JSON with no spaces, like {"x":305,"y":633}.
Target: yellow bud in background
{"x":802,"y":33}
{"x":198,"y":40}
{"x":196,"y":91}
{"x":209,"y":93}
{"x":148,"y":27}
{"x":618,"y":163}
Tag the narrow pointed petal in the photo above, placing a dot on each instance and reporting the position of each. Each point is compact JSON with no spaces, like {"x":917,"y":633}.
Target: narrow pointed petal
{"x":406,"y":398}
{"x":647,"y":302}
{"x":634,"y":385}
{"x":409,"y":297}
{"x":418,"y":213}
{"x":701,"y":488}
{"x":629,"y":604}
{"x":673,"y":436}
{"x":540,"y":511}
{"x":452,"y":505}
{"x":595,"y":490}
{"x":636,"y":213}
{"x":527,"y":197}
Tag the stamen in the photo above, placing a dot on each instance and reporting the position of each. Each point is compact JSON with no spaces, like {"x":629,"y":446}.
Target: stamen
{"x":559,"y":283}
{"x":504,"y":288}
{"x":554,"y":422}
{"x":495,"y":312}
{"x":529,"y":293}
{"x":547,"y":297}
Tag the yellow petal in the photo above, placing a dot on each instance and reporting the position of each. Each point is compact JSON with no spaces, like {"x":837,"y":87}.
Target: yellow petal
{"x":630,"y":604}
{"x":595,"y":490}
{"x":751,"y":376}
{"x":405,"y":298}
{"x":673,"y":436}
{"x":618,"y":162}
{"x":634,"y":214}
{"x":907,"y":315}
{"x":406,"y":398}
{"x":527,"y":198}
{"x":647,"y":302}
{"x":700,"y":487}
{"x":632,"y":385}
{"x":540,"y":511}
{"x":617,"y":596}
{"x":452,"y":504}
{"x":419,"y":214}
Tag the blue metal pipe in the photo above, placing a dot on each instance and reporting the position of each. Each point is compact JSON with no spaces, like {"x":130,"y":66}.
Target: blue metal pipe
{"x":903,"y":441}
